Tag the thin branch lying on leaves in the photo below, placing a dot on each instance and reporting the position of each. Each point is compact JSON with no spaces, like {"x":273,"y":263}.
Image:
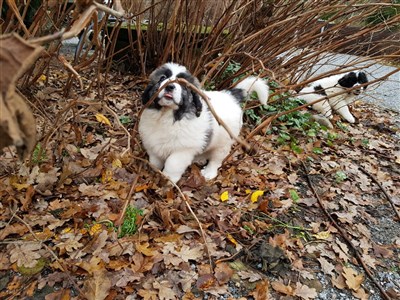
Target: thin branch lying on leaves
{"x":61,"y":264}
{"x":344,"y":234}
{"x":184,"y":198}
{"x":383,"y":191}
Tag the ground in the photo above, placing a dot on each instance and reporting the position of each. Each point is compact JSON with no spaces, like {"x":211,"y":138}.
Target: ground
{"x":281,"y":222}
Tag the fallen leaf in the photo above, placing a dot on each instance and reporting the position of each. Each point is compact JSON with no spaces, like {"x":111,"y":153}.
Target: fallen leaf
{"x":98,"y":286}
{"x":165,"y":291}
{"x":145,"y":249}
{"x":361,"y":294}
{"x":187,"y":253}
{"x":281,"y":288}
{"x":26,"y":254}
{"x":304,"y":292}
{"x":148,"y":294}
{"x":255,"y":195}
{"x":353,"y":279}
{"x":326,"y":266}
{"x":205,"y":281}
{"x":223,"y":273}
{"x":103,"y":119}
{"x":262,"y":291}
{"x":224,"y":196}
{"x":323,"y":235}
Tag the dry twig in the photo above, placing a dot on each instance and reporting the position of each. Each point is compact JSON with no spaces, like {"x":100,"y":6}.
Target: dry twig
{"x":383,"y":191}
{"x":344,"y":235}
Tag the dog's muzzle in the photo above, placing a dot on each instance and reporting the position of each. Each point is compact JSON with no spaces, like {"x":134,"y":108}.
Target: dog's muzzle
{"x":168,"y":94}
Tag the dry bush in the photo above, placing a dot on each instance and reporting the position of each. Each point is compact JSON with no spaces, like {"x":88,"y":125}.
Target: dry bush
{"x":282,"y":39}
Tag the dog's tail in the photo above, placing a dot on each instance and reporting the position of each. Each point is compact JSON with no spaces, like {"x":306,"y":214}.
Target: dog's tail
{"x":255,"y":84}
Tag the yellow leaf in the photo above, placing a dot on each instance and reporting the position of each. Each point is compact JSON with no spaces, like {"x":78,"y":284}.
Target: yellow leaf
{"x":255,"y":195}
{"x":66,"y":230}
{"x":248,"y":191}
{"x":231,"y":239}
{"x":96,"y":228}
{"x":19,"y":186}
{"x":323,"y":235}
{"x":42,"y":77}
{"x":144,"y":249}
{"x":224,"y":196}
{"x":103,"y":119}
{"x":117,"y":163}
{"x":106,"y":176}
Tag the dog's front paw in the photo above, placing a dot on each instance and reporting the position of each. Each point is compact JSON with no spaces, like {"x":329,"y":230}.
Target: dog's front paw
{"x":209,"y":173}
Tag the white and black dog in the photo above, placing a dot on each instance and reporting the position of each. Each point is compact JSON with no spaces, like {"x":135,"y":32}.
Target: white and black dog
{"x":177,"y":128}
{"x":327,"y":87}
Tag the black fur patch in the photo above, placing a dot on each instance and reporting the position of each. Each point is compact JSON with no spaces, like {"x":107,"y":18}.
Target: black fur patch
{"x":362,"y":78}
{"x":348,"y":80}
{"x":148,"y":94}
{"x":162,"y":73}
{"x":320,"y":90}
{"x":238,"y":94}
{"x":196,"y":98}
{"x":187,"y":108}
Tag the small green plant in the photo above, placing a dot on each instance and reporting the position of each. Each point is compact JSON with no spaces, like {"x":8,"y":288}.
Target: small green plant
{"x":340,"y":176}
{"x":232,"y":68}
{"x":129,"y":226}
{"x":39,"y":154}
{"x":125,"y":120}
{"x":365,"y":142}
{"x":295,"y":197}
{"x":248,"y":229}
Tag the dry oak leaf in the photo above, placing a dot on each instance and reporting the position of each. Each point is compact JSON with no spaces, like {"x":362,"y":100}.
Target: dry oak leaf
{"x":281,"y":288}
{"x":262,"y":291}
{"x":353,"y":279}
{"x":25,"y":254}
{"x":249,"y":275}
{"x":326,"y":266}
{"x":148,"y":294}
{"x":17,"y":123}
{"x":305,"y":292}
{"x":223,"y":273}
{"x":144,"y":249}
{"x":187,"y":253}
{"x":98,"y":286}
{"x":165,"y":291}
{"x":361,"y":294}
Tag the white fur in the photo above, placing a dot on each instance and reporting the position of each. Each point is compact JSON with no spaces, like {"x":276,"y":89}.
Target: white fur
{"x":173,"y":145}
{"x":339,"y":103}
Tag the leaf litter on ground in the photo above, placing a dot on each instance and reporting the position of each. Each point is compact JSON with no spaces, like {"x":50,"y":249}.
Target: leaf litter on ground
{"x":262,"y":223}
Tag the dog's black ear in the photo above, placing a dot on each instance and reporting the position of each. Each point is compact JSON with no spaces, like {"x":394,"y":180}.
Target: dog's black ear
{"x":348,"y":80}
{"x":197,"y":103}
{"x":147,"y":94}
{"x":362,"y":78}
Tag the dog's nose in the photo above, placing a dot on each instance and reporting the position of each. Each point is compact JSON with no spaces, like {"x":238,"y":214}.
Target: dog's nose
{"x":170,"y":87}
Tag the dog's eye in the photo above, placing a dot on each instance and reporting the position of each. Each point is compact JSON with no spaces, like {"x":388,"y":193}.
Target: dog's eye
{"x":162,"y":78}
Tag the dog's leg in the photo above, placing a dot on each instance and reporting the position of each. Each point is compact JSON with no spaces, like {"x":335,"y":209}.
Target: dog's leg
{"x":156,"y":161}
{"x":176,"y":164}
{"x":215,"y":161}
{"x":345,"y":113}
{"x":324,"y":108}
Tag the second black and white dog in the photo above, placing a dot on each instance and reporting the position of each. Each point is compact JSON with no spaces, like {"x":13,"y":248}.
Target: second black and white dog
{"x":178,"y":128}
{"x":345,"y":84}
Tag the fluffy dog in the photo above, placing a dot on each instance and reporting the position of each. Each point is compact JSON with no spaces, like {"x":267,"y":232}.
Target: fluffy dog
{"x":326,"y":87}
{"x":177,"y":128}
